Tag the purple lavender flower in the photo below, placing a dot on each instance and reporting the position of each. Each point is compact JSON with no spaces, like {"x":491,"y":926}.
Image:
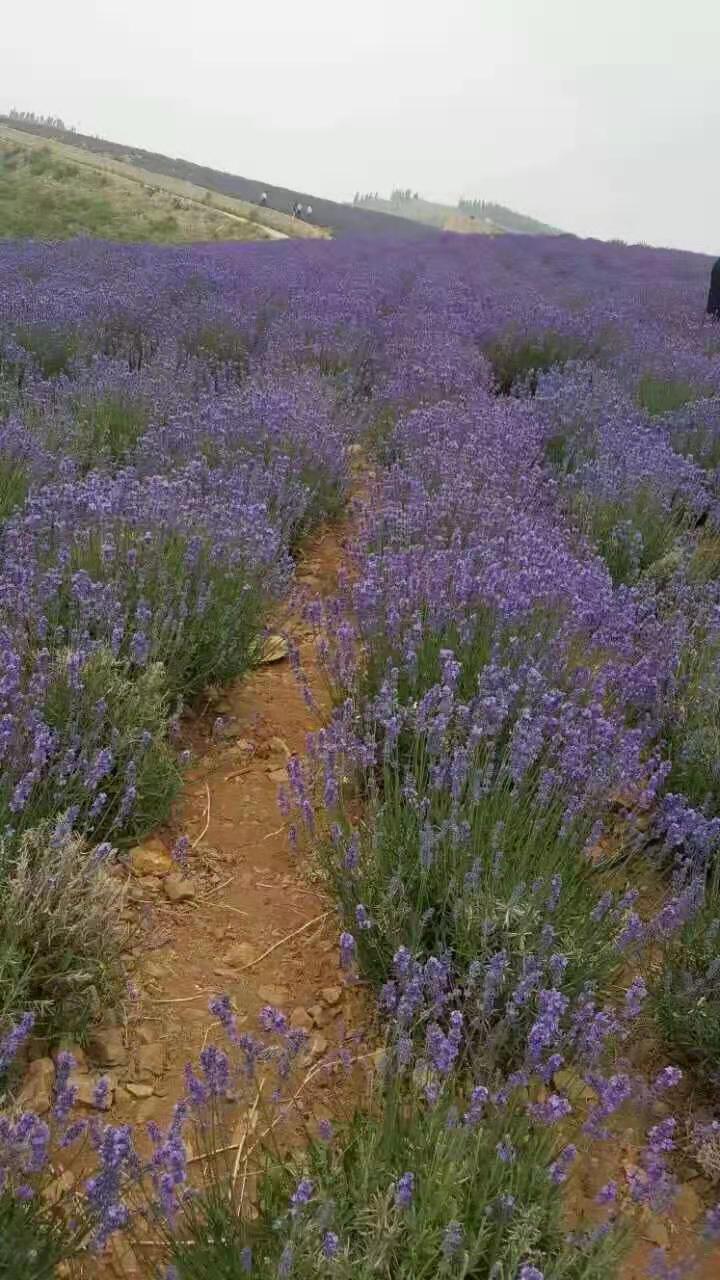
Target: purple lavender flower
{"x":347,"y":950}
{"x":556,"y":1108}
{"x":607,"y":1194}
{"x":330,"y":1245}
{"x":453,"y":1238}
{"x":303,"y":1193}
{"x":404,"y":1190}
{"x":14,"y":1039}
{"x":635,"y":996}
{"x":668,"y":1078}
{"x":362,"y":919}
{"x":558,"y":1170}
{"x":506,"y":1151}
{"x":286,"y":1263}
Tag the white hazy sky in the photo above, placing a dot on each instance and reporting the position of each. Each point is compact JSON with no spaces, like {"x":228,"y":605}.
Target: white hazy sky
{"x":600,"y":116}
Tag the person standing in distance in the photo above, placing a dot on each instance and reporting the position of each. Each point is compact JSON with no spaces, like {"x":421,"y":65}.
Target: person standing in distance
{"x":713,"y":302}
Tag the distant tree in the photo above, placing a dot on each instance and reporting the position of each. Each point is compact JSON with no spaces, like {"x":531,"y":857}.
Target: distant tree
{"x":506,"y":218}
{"x":32,"y":117}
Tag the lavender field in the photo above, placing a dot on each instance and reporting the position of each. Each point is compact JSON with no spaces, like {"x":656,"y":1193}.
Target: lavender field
{"x":515,"y":801}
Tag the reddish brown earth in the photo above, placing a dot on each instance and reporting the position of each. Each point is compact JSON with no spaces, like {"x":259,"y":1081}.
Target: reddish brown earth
{"x":250,"y":896}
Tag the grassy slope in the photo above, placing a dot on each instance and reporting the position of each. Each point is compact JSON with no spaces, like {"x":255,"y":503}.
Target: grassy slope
{"x":49,"y":199}
{"x":52,"y":190}
{"x":451,"y":218}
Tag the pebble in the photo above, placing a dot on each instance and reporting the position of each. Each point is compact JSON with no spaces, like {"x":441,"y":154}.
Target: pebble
{"x":239,"y":954}
{"x":85,"y":1090}
{"x":147,"y":1109}
{"x":332,"y":995}
{"x":36,"y":1093}
{"x":139,"y":1090}
{"x":178,"y":889}
{"x":687,"y":1203}
{"x":276,"y":996}
{"x":318,"y":1047}
{"x":657,"y":1233}
{"x":301,"y":1019}
{"x":150,"y":859}
{"x":107,"y":1047}
{"x":151,"y":1057}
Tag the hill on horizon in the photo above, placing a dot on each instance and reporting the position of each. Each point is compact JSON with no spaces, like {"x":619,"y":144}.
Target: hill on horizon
{"x":469,"y":217}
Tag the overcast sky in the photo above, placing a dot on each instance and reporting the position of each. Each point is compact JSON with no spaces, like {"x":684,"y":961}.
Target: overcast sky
{"x":600,"y":116}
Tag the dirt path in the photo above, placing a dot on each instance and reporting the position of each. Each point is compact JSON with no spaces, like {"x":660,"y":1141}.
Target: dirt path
{"x":246,"y":892}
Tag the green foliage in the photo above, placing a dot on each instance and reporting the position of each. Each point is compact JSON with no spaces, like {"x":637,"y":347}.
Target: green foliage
{"x":701,"y":444}
{"x":14,"y":485}
{"x":137,"y":705}
{"x":459,"y":1178}
{"x":631,"y":534}
{"x":60,"y":932}
{"x":51,"y":350}
{"x":662,"y":395}
{"x":221,"y":347}
{"x":452,"y":872}
{"x":693,"y":724}
{"x":108,"y":428}
{"x":34,"y":1239}
{"x":518,"y":361}
{"x":686,"y":995}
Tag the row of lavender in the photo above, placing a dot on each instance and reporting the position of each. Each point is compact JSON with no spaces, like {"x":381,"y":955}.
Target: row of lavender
{"x":159,"y":460}
{"x":525,"y":676}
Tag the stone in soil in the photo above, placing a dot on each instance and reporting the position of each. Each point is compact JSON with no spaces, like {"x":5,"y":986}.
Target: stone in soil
{"x":150,"y":859}
{"x":239,"y":955}
{"x":318,"y":1047}
{"x":107,"y":1047}
{"x":86,"y":1090}
{"x":151,"y":1057}
{"x":179,"y":889}
{"x":147,"y":1109}
{"x":36,"y":1093}
{"x":139,"y":1090}
{"x":687,"y":1203}
{"x":276,"y":996}
{"x":145,"y":1033}
{"x":332,"y":995}
{"x":301,"y":1019}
